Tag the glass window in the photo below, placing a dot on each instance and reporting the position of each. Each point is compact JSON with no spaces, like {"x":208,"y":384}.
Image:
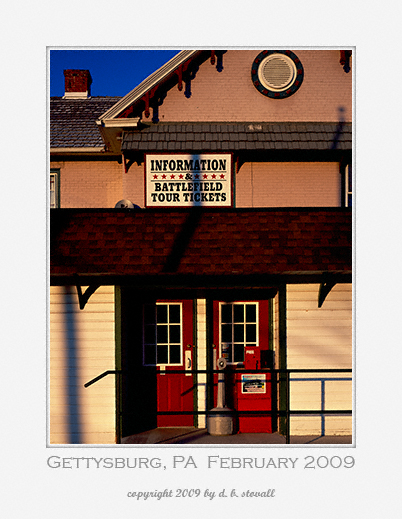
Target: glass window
{"x":238,"y":328}
{"x":162,"y":334}
{"x":348,"y":186}
{"x":54,"y":188}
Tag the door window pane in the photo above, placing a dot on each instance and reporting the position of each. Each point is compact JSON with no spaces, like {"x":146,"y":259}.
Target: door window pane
{"x":238,"y":313}
{"x":162,"y":334}
{"x":161,"y":313}
{"x":174,"y":354}
{"x":226,"y":335}
{"x":238,"y":326}
{"x":251,"y":316}
{"x":238,"y":333}
{"x":238,"y":354}
{"x":174,"y":313}
{"x":226,"y":313}
{"x":251,"y":333}
{"x":174,"y":333}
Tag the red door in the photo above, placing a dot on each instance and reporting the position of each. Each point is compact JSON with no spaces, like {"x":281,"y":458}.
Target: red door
{"x":168,"y":345}
{"x":241,"y":325}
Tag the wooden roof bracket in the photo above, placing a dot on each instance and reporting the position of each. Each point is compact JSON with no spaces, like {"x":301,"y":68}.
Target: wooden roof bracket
{"x":239,"y":161}
{"x":126,"y":163}
{"x":83,"y":297}
{"x":345,"y":59}
{"x":326,"y":286}
{"x":149,"y":94}
{"x":180,"y":71}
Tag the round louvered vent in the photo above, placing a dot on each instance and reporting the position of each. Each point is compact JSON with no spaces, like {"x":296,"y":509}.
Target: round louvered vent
{"x":277,"y":74}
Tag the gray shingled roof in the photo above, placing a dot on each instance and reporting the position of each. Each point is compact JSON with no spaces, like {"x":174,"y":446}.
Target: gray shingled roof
{"x":240,"y":136}
{"x":72,"y":121}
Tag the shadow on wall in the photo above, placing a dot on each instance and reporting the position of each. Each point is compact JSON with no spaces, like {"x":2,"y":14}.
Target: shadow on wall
{"x":339,"y":128}
{"x":183,"y":239}
{"x":71,"y":382}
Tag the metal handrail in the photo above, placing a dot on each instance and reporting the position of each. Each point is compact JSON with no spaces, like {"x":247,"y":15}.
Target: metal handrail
{"x":102,"y":375}
{"x":277,"y":412}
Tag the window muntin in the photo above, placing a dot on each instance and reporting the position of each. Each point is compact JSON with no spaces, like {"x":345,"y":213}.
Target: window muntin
{"x":162,"y":324}
{"x":238,"y":324}
{"x":54,"y":189}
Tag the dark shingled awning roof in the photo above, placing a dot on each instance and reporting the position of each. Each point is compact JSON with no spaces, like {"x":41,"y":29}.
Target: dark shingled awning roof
{"x":195,"y":247}
{"x":72,"y":121}
{"x":240,"y":137}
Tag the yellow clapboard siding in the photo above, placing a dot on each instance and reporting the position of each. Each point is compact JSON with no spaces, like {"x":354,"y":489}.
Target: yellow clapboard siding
{"x":83,"y":365}
{"x":97,"y":334}
{"x":320,"y":338}
{"x":71,"y":289}
{"x":89,"y":350}
{"x":311,"y":425}
{"x":82,"y":346}
{"x":97,"y":414}
{"x":98,"y":439}
{"x":96,"y":297}
{"x":90,"y":394}
{"x":321,"y":342}
{"x":82,"y":327}
{"x":96,"y":307}
{"x":323,"y":362}
{"x":319,"y":314}
{"x":340,"y":288}
{"x":339,"y":326}
{"x":82,"y":318}
{"x":303,"y":304}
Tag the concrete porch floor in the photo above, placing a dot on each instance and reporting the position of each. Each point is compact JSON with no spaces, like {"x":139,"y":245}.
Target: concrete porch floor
{"x":191,"y":435}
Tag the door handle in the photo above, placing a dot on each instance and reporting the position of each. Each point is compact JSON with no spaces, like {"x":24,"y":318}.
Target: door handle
{"x":188,"y":361}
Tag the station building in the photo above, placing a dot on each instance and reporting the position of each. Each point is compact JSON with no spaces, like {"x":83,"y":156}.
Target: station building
{"x":205,"y":215}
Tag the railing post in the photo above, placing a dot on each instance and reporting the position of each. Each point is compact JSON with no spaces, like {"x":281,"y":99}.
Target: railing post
{"x":287,"y":406}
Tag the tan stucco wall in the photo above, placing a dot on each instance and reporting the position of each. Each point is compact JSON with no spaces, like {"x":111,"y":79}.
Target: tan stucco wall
{"x":230,"y":95}
{"x":96,"y":184}
{"x":291,"y":184}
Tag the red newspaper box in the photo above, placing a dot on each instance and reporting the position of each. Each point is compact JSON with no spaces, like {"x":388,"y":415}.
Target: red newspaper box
{"x":253,"y":394}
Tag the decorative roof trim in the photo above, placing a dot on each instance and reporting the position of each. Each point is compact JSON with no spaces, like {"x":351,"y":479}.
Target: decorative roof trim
{"x":149,"y":83}
{"x":97,"y":149}
{"x":130,"y":122}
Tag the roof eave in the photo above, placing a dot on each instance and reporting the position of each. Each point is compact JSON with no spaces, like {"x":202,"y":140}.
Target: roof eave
{"x":70,"y":150}
{"x":191,"y":282}
{"x":112,"y":130}
{"x":150,"y":82}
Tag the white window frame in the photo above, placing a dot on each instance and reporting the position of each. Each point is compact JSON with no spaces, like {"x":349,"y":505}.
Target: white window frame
{"x":168,"y":343}
{"x":245,"y":342}
{"x":348,"y":181}
{"x":55,"y":176}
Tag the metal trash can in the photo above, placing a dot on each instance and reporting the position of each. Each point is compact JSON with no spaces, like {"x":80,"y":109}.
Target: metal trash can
{"x":220,"y":419}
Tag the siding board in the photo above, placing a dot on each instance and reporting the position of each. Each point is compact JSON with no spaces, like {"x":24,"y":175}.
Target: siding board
{"x":320,"y":338}
{"x":82,"y":345}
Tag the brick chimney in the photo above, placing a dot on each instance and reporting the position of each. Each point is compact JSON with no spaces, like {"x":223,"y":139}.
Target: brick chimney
{"x":77,"y":84}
